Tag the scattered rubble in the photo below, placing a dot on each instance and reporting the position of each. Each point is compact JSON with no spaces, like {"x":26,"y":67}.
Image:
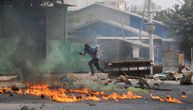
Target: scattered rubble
{"x":158,"y":84}
{"x":184,"y":74}
{"x":41,"y":107}
{"x":187,"y":78}
{"x":32,"y":108}
{"x":25,"y":108}
{"x":124,"y":79}
{"x":91,"y":104}
{"x":168,"y":75}
{"x":143,"y":83}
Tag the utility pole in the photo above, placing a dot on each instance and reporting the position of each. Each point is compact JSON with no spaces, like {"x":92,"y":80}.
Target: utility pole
{"x":66,"y":25}
{"x":150,"y":28}
{"x":122,"y":30}
{"x":191,"y":59}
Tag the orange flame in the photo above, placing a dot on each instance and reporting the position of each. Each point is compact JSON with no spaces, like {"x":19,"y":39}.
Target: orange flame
{"x":168,"y":99}
{"x":92,"y":98}
{"x":4,"y":89}
{"x":20,"y":91}
{"x":157,"y":98}
{"x":184,"y":96}
{"x":39,"y":86}
{"x":85,"y":91}
{"x":62,"y":95}
{"x":116,"y":97}
{"x":173,"y":100}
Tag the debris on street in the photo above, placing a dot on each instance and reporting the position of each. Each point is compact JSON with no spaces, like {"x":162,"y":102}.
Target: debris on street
{"x":186,"y":78}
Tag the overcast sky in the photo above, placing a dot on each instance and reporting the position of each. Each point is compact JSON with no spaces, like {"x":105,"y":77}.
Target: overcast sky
{"x":163,"y":3}
{"x":167,"y":3}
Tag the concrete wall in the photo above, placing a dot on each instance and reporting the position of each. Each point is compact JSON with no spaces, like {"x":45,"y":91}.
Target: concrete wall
{"x":56,"y":25}
{"x":33,"y":28}
{"x":24,"y":27}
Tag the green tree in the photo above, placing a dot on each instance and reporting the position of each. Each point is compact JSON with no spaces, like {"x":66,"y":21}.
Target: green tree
{"x":182,"y":24}
{"x":30,"y":3}
{"x":168,"y":17}
{"x":180,"y":21}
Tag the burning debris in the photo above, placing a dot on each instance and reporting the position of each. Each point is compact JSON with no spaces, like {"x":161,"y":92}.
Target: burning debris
{"x":60,"y":95}
{"x":183,"y":95}
{"x":77,"y":95}
{"x":90,"y":88}
{"x":167,"y":99}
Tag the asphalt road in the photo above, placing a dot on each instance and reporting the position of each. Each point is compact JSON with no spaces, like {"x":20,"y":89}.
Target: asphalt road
{"x":16,"y":102}
{"x":97,"y":106}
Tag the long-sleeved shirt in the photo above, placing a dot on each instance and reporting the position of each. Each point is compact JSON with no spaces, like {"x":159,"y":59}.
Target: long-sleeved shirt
{"x":92,"y":52}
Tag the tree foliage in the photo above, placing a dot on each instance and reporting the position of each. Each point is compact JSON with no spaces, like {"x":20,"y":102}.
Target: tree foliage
{"x":180,"y":21}
{"x":30,"y":3}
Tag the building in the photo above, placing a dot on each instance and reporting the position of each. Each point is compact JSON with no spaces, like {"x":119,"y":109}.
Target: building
{"x":27,"y":32}
{"x":123,"y":35}
{"x":35,"y":26}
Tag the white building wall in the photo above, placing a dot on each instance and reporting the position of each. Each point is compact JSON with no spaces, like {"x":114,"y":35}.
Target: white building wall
{"x":136,"y":50}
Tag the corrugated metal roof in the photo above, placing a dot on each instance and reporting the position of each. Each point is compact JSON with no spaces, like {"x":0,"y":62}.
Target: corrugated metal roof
{"x":125,"y":27}
{"x":134,"y":42}
{"x":116,"y":9}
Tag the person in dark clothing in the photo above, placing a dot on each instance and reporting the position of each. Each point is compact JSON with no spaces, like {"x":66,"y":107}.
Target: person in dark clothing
{"x":95,"y":58}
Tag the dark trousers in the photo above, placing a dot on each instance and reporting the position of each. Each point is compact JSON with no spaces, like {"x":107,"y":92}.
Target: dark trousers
{"x":95,"y":62}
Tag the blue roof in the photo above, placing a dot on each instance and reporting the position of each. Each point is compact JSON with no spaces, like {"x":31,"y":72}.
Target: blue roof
{"x":135,"y":22}
{"x":115,"y":9}
{"x":108,"y":29}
